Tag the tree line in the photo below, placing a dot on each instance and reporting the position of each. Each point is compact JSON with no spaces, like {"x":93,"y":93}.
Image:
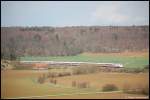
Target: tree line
{"x":65,"y":41}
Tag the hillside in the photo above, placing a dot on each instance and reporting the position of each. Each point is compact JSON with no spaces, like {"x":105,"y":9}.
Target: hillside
{"x":64,"y":41}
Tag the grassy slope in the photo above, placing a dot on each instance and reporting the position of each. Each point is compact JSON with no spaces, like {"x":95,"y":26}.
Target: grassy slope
{"x":24,"y":82}
{"x":134,"y":61}
{"x":27,"y":85}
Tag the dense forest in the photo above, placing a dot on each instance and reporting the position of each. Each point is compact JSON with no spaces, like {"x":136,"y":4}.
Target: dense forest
{"x":64,"y":41}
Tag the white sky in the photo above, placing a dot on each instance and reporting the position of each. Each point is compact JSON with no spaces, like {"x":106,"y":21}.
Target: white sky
{"x":74,"y":13}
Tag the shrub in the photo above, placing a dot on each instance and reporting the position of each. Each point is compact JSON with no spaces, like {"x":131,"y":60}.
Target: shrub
{"x":137,"y":70}
{"x":60,"y":75}
{"x":74,"y":83}
{"x":136,"y":89}
{"x":84,"y":70}
{"x":54,"y":81}
{"x":146,"y":67}
{"x":54,"y":74}
{"x":109,"y":87}
{"x":79,"y":70}
{"x":48,"y":75}
{"x":41,"y":79}
{"x":80,"y":84}
{"x":145,"y":90}
{"x":133,"y":70}
{"x":83,"y":85}
{"x":92,"y":69}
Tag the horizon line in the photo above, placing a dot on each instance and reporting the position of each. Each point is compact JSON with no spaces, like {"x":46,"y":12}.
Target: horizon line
{"x":78,"y":26}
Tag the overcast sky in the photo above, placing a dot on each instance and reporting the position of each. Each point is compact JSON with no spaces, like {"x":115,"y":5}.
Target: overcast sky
{"x":74,"y":13}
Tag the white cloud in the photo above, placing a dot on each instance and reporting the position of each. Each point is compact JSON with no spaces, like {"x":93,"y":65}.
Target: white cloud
{"x":121,"y":13}
{"x":109,"y":13}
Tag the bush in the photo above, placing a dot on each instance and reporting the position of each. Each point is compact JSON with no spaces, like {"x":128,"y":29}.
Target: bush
{"x":133,"y":70}
{"x":79,"y":70}
{"x":41,"y":79}
{"x":137,"y":70}
{"x":136,"y":89}
{"x":54,"y":74}
{"x":84,"y":70}
{"x":145,"y":90}
{"x":54,"y":81}
{"x":83,"y":85}
{"x":146,"y":67}
{"x":109,"y":87}
{"x":80,"y":84}
{"x":64,"y":74}
{"x":74,"y":83}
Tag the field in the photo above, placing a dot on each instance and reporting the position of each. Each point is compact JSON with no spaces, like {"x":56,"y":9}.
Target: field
{"x":93,"y":50}
{"x":128,"y":59}
{"x":23,"y":83}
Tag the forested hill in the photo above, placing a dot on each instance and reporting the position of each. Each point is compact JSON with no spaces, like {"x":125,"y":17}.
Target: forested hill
{"x":63,"y":41}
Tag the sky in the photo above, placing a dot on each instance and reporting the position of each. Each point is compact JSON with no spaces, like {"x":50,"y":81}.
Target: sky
{"x":74,"y":13}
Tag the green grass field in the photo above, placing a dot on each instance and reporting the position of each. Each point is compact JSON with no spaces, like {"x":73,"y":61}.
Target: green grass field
{"x":127,"y":61}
